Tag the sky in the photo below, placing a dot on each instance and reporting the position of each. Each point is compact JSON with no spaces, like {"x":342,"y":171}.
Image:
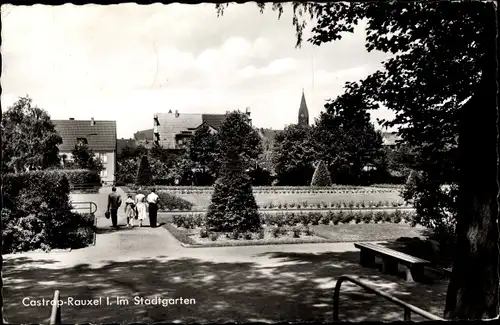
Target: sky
{"x":126,"y":62}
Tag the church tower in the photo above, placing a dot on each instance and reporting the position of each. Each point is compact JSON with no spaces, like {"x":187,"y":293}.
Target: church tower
{"x":303,"y":112}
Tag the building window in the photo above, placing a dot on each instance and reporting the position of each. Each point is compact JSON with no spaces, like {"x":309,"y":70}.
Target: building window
{"x":104,"y":173}
{"x":81,"y":141}
{"x":102,"y":156}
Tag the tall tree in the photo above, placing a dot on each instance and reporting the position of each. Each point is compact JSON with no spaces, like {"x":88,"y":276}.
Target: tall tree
{"x":294,"y":155}
{"x":84,"y":157}
{"x":443,"y":55}
{"x":29,"y":138}
{"x":345,"y":138}
{"x":203,"y":151}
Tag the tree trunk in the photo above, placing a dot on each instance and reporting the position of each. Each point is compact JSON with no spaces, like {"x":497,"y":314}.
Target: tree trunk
{"x":474,"y":284}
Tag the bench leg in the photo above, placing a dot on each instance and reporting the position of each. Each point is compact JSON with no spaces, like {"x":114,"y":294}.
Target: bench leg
{"x":367,"y":259}
{"x":414,"y":273}
{"x":389,"y":266}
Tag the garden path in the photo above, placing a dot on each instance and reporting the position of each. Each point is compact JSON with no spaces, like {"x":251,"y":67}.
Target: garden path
{"x":251,"y":283}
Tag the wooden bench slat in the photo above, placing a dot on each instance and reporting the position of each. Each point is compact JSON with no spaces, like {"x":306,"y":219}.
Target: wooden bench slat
{"x":406,"y":258}
{"x":390,"y":252}
{"x":399,"y":255}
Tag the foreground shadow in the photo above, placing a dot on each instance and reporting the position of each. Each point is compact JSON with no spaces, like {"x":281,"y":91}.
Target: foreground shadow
{"x":277,"y":287}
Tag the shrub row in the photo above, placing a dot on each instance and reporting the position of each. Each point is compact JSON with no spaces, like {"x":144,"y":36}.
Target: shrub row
{"x":81,"y":177}
{"x":335,"y":217}
{"x":292,"y":219}
{"x":197,"y":221}
{"x":334,"y":205}
{"x":169,"y":202}
{"x":36,"y":213}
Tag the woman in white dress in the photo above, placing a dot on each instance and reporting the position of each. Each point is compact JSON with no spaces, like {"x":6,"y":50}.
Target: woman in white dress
{"x":141,"y":208}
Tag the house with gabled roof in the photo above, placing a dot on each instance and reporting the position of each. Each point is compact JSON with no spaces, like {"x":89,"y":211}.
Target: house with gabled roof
{"x":98,"y":135}
{"x":174,"y":130}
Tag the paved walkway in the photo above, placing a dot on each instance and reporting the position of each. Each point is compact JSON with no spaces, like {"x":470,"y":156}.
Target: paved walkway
{"x":256,"y":283}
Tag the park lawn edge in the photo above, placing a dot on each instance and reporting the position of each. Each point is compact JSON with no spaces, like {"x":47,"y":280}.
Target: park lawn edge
{"x":185,"y":241}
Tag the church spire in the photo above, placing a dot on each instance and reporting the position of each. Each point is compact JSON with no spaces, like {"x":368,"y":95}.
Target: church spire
{"x":303,"y":112}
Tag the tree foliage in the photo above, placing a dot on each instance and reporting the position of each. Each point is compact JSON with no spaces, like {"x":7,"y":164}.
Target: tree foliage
{"x":162,"y":163}
{"x":84,"y":158}
{"x":203,"y":152}
{"x":345,"y":138}
{"x":294,"y":155}
{"x":29,"y":138}
{"x":239,"y":144}
{"x":233,"y":206}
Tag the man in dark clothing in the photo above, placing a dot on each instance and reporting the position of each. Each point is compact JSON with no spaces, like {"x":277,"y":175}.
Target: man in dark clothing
{"x":114,"y":202}
{"x":152,"y":199}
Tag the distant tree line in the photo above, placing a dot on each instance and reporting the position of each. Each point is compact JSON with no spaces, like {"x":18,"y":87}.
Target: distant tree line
{"x":343,"y":139}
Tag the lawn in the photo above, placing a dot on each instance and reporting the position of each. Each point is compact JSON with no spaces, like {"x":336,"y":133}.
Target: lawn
{"x":202,"y":201}
{"x":367,"y":232}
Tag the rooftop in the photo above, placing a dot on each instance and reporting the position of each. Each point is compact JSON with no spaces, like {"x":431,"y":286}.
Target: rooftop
{"x":100,"y":135}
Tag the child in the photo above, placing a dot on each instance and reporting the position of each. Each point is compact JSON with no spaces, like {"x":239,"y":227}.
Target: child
{"x":130,"y":210}
{"x":141,"y":209}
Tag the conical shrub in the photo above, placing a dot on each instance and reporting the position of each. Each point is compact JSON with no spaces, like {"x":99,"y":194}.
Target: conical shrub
{"x":144,"y":174}
{"x":321,"y":176}
{"x":233,"y":206}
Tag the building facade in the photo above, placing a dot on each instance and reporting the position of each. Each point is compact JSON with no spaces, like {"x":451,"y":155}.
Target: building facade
{"x":100,"y":136}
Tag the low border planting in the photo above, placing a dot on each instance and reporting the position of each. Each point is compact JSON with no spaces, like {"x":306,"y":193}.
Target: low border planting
{"x":341,"y":189}
{"x":335,"y":205}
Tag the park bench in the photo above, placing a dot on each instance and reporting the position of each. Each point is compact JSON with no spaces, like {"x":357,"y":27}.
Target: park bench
{"x":391,"y":259}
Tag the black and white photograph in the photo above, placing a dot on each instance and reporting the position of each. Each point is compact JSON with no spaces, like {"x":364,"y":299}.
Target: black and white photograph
{"x":250,"y":162}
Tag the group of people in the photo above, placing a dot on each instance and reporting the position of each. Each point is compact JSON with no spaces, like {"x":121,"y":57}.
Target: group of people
{"x":135,"y":208}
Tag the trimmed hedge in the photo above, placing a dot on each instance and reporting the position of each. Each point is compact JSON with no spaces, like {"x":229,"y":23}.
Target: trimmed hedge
{"x":169,"y":202}
{"x":81,"y":177}
{"x":36,"y":213}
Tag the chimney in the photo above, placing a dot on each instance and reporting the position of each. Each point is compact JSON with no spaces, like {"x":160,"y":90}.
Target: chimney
{"x":92,"y":122}
{"x":71,"y":118}
{"x":176,"y":113}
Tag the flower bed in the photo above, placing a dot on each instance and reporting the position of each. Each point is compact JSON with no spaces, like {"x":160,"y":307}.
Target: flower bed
{"x":288,"y":227}
{"x":336,"y":205}
{"x":275,"y":189}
